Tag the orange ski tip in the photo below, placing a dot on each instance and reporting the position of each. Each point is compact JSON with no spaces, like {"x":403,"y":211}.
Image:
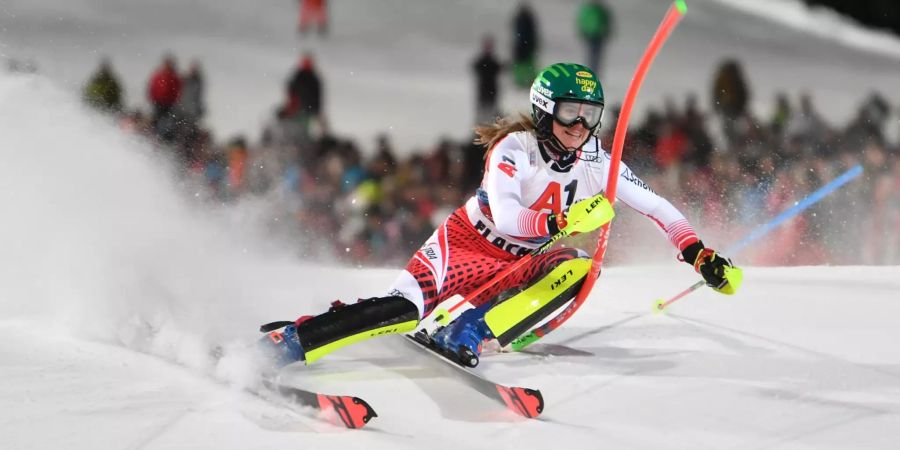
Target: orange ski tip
{"x":523,"y":401}
{"x":350,"y":412}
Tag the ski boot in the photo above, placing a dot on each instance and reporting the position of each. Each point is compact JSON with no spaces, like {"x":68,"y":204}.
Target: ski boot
{"x":461,"y":339}
{"x":282,"y":342}
{"x":282,"y":346}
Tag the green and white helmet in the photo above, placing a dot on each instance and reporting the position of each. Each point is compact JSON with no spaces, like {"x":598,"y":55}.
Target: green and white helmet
{"x":564,"y":84}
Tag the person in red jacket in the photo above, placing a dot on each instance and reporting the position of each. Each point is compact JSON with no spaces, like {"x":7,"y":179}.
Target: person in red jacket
{"x":164,"y":90}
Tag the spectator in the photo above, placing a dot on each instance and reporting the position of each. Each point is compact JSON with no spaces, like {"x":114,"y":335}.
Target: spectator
{"x":594,"y":23}
{"x":694,"y":124}
{"x":313,"y":13}
{"x":214,"y":173}
{"x":163,"y":91}
{"x":305,"y":95}
{"x":671,"y":145}
{"x":525,"y":46}
{"x":354,"y":172}
{"x":237,"y":165}
{"x":807,"y":125}
{"x":191,"y":105}
{"x":487,"y":70}
{"x":782,"y":114}
{"x":730,"y":96}
{"x":870,"y":120}
{"x":103,"y":91}
{"x":384,"y":163}
{"x":136,"y":122}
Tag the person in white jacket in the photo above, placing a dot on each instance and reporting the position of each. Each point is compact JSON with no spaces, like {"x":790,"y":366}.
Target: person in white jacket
{"x":544,"y":174}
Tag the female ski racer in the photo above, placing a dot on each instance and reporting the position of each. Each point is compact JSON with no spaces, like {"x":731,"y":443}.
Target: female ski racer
{"x":543,"y":175}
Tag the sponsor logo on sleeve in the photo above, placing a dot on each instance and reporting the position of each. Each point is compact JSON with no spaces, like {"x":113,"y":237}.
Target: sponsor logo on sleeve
{"x":507,"y":166}
{"x":630,"y":176}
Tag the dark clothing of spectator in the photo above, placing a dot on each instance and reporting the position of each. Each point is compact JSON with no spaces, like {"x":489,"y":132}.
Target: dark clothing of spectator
{"x":191,"y":105}
{"x":807,"y":126}
{"x":730,"y":91}
{"x":782,"y":114}
{"x":473,"y":163}
{"x":701,"y":142}
{"x":487,"y":71}
{"x":595,"y":27}
{"x":305,"y":90}
{"x":869,"y":122}
{"x":693,"y":122}
{"x":103,"y":90}
{"x":730,"y":96}
{"x":525,"y":46}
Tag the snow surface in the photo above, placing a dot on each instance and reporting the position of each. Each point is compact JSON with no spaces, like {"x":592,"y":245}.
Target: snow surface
{"x":113,"y":284}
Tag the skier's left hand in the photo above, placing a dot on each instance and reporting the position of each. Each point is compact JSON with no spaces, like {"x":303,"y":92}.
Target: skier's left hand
{"x":583,"y":216}
{"x":718,"y":272}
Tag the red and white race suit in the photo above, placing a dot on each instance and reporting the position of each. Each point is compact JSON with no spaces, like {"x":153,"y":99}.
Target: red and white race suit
{"x":507,"y":218}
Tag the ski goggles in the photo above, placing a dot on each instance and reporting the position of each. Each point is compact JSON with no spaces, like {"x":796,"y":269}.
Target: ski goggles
{"x":568,"y":113}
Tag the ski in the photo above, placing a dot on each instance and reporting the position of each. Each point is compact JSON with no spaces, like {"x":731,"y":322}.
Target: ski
{"x":340,"y":410}
{"x":525,"y":402}
{"x":349,"y":411}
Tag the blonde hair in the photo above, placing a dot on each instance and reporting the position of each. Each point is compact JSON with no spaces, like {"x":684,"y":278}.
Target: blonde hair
{"x":489,"y":135}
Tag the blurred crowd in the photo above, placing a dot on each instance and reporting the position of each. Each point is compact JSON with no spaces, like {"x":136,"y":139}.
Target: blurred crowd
{"x":728,"y":168}
{"x":731,"y":171}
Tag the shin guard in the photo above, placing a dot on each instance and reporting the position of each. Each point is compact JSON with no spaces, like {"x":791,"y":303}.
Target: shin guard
{"x":356,"y":322}
{"x":518,"y":314}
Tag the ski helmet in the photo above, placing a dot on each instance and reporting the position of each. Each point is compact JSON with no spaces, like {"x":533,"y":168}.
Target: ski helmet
{"x":564,"y":83}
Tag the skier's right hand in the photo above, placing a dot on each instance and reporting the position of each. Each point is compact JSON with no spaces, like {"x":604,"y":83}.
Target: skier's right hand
{"x":718,"y":271}
{"x":583,"y":216}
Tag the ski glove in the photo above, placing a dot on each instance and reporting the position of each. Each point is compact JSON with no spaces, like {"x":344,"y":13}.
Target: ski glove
{"x":583,"y":216}
{"x":718,"y":272}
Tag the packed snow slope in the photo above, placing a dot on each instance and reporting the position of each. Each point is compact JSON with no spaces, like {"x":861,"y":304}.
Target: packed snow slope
{"x":404,"y":67}
{"x":114,"y":284}
{"x":802,"y":358}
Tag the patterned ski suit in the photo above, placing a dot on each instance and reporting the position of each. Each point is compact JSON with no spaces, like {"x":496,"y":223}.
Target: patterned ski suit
{"x":507,"y":218}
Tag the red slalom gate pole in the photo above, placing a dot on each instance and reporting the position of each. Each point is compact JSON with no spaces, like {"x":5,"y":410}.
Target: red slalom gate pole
{"x":673,"y":16}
